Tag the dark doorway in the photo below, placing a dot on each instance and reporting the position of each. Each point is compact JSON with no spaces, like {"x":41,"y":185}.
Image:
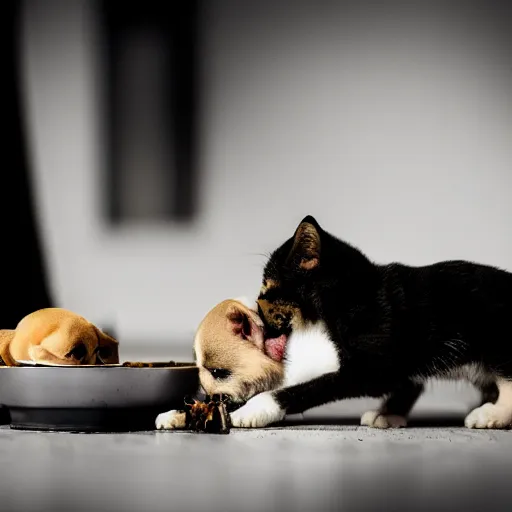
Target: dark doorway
{"x":150,"y":83}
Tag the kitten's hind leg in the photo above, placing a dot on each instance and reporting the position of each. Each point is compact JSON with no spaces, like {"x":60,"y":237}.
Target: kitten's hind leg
{"x":394,"y":410}
{"x":490,"y":393}
{"x":497,"y":415}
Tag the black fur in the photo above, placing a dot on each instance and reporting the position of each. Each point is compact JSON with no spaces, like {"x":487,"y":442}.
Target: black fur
{"x":392,"y":324}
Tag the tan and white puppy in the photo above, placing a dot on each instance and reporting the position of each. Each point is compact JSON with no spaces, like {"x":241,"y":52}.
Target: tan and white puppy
{"x":230,"y":351}
{"x":229,"y":347}
{"x":236,"y":359}
{"x":57,"y":336}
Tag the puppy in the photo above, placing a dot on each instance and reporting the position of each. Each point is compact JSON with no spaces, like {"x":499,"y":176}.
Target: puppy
{"x":57,"y":336}
{"x":233,"y":357}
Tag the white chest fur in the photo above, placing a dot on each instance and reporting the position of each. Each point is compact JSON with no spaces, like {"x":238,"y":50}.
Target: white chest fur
{"x":309,"y":354}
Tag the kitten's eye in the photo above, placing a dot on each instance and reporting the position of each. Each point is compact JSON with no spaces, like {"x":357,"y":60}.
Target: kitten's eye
{"x":220,"y":373}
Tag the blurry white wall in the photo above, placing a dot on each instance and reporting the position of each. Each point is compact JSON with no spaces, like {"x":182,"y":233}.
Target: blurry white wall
{"x":393,"y":126}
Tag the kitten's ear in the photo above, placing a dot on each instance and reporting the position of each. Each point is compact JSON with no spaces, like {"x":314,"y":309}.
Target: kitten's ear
{"x":306,"y":244}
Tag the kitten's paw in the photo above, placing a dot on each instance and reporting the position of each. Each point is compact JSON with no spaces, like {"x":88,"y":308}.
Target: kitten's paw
{"x":171,"y":420}
{"x":259,"y":411}
{"x":489,"y":416}
{"x":376,"y":419}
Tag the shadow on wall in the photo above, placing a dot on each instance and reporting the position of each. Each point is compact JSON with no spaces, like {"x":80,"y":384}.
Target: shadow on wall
{"x":23,"y":270}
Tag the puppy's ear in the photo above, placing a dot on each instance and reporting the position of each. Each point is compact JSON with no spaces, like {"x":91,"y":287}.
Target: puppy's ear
{"x":246,"y":324}
{"x":108,"y":348}
{"x":40,"y":354}
{"x":6,"y":337}
{"x":305,"y":252}
{"x":61,"y":348}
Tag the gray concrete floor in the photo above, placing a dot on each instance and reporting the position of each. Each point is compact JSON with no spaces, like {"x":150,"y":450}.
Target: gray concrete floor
{"x":321,"y":462}
{"x":317,"y":462}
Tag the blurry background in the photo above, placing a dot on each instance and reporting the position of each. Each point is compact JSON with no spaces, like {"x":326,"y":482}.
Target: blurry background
{"x":170,"y":145}
{"x":172,"y":148}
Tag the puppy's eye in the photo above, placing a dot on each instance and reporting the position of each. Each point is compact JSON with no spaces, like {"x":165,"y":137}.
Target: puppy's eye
{"x":103,"y":353}
{"x":219,"y":373}
{"x":78,"y":352}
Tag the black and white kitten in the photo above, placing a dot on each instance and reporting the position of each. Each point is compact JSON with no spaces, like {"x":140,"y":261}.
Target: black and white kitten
{"x":358,"y":329}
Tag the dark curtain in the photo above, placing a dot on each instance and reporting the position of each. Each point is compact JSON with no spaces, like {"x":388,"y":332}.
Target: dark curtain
{"x":22,"y":269}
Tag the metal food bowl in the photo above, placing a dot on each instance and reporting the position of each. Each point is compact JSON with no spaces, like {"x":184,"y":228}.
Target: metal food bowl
{"x":110,"y":398}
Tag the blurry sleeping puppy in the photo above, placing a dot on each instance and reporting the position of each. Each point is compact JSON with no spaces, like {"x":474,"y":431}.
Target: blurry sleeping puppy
{"x":57,"y":336}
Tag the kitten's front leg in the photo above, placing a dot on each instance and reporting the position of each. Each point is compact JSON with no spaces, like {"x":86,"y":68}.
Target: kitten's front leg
{"x":260,"y":411}
{"x":272,"y":406}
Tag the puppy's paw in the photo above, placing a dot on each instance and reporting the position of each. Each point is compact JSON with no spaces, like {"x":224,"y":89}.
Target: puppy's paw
{"x":489,"y":416}
{"x":376,"y":419}
{"x":171,"y":420}
{"x":259,"y":411}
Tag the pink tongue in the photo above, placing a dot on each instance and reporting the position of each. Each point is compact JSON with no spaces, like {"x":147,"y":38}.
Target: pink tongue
{"x":274,"y":347}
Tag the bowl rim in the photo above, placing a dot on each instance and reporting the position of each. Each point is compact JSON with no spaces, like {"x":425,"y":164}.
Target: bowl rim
{"x":186,"y":365}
